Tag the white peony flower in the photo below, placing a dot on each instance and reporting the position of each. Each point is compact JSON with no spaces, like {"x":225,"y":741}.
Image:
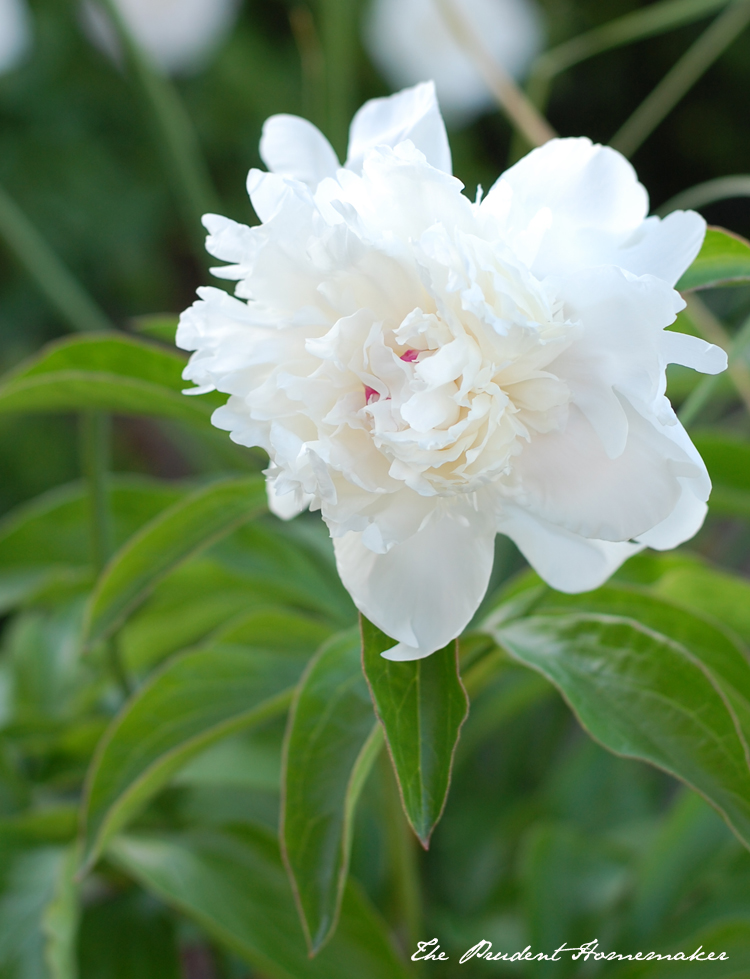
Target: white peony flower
{"x":15,"y":33}
{"x":429,"y":371}
{"x":178,"y":35}
{"x":409,"y":42}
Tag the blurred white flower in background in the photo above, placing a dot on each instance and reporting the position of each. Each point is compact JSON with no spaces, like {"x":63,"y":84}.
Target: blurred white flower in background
{"x":179,"y":35}
{"x":15,"y":33}
{"x":427,"y":370}
{"x":409,"y":42}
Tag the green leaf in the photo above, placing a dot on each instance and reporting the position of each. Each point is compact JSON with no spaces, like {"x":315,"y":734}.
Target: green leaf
{"x":242,"y":761}
{"x":728,"y":935}
{"x":705,"y":640}
{"x":33,"y":937}
{"x":235,"y":887}
{"x":42,"y":650}
{"x":189,"y":605}
{"x":51,"y":824}
{"x":128,"y":936}
{"x":47,"y":539}
{"x":60,"y":921}
{"x":204,"y":599}
{"x":567,"y":874}
{"x":192,"y":702}
{"x":422,"y":705}
{"x":105,"y":371}
{"x":331,"y":743}
{"x":727,"y":459}
{"x":645,"y":696}
{"x":290,"y":562}
{"x":685,"y":845}
{"x":724,"y":259}
{"x":171,"y":538}
{"x":158,"y":326}
{"x":275,"y":628}
{"x":724,"y":597}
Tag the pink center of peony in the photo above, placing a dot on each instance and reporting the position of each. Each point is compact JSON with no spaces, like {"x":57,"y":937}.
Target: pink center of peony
{"x":371,"y":394}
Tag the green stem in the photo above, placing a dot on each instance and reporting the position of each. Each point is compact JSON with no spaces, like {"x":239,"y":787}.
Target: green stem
{"x":719,"y":189}
{"x":657,"y":18}
{"x":52,"y":277}
{"x":338,"y":32}
{"x":96,"y":440}
{"x":185,"y":165}
{"x":710,"y":329}
{"x":312,"y":64}
{"x":681,"y":78}
{"x":403,"y":859}
{"x":702,"y":394}
{"x":522,"y":114}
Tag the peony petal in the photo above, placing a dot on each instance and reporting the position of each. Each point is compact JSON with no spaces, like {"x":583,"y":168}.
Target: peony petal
{"x":583,"y":185}
{"x":424,"y":591}
{"x":681,"y":348}
{"x":269,"y":192}
{"x":566,"y":561}
{"x":412,"y":114}
{"x":662,"y":247}
{"x":597,"y":209}
{"x":293,"y":147}
{"x":683,"y":523}
{"x":621,"y":320}
{"x":288,"y":504}
{"x":566,"y":479}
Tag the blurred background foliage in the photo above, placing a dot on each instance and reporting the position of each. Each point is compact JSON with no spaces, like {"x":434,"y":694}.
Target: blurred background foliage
{"x":547,"y":837}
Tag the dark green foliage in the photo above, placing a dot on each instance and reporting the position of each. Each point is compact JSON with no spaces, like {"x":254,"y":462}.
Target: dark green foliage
{"x":161,"y":806}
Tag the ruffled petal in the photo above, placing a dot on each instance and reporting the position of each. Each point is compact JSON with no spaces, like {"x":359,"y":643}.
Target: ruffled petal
{"x":566,"y":561}
{"x":293,"y":147}
{"x":594,"y":210}
{"x":288,"y":504}
{"x":621,"y":320}
{"x":684,"y":522}
{"x":662,"y":247}
{"x":412,"y":114}
{"x":583,"y":184}
{"x":424,"y":591}
{"x":566,"y":479}
{"x":681,"y":348}
{"x":269,"y":192}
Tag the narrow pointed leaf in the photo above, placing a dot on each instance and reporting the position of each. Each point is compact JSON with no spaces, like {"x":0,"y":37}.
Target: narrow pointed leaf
{"x":60,"y":920}
{"x":192,"y":702}
{"x":37,"y":919}
{"x":46,"y":540}
{"x":422,"y":705}
{"x":643,"y":695}
{"x":107,"y":371}
{"x":234,"y":886}
{"x":331,"y":742}
{"x":163,"y":544}
{"x":723,"y":260}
